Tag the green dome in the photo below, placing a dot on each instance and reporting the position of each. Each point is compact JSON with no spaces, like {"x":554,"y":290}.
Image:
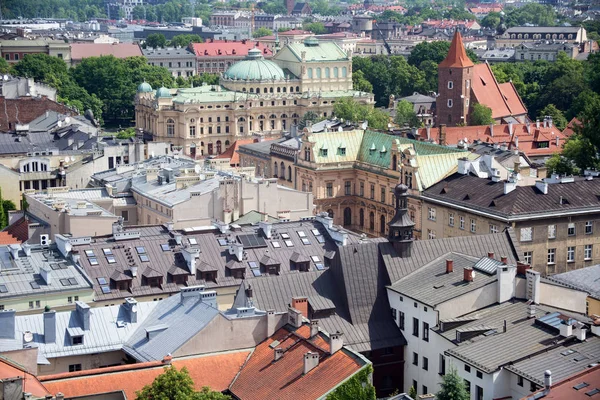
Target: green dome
{"x":255,"y":68}
{"x":144,"y":87}
{"x":163,"y":92}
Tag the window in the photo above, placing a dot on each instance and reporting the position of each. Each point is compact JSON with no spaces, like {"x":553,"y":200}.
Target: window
{"x":37,"y":304}
{"x":125,"y":216}
{"x":467,"y":368}
{"x":170,"y":127}
{"x":372,"y":192}
{"x":528,"y":257}
{"x":31,"y":304}
{"x":478,"y":393}
{"x":401,"y":320}
{"x":426,"y":331}
{"x":347,"y":188}
{"x":415,"y":385}
{"x":415,"y":327}
{"x":74,"y":367}
{"x":329,"y":188}
{"x":383,"y":194}
{"x":532,"y":387}
{"x":361,"y":189}
{"x":587,"y":252}
{"x":468,"y":387}
{"x":589,"y":227}
{"x":431,"y":214}
{"x":394,"y":313}
{"x":551,"y":256}
{"x":451,"y":219}
{"x":76,"y":340}
{"x":473,"y":226}
{"x":415,"y":359}
{"x":430,"y":234}
{"x":426,"y":363}
{"x":442,"y":369}
{"x":571,"y":229}
{"x":70,"y":299}
{"x":479,"y":374}
{"x":461,"y":221}
{"x":551,"y":231}
{"x":450,"y":84}
{"x":571,"y":254}
{"x":493,"y":228}
{"x":520,"y":381}
{"x":526,"y":234}
{"x":449,"y":103}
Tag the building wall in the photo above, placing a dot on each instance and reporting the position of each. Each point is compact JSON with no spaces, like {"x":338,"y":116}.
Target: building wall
{"x":56,"y":301}
{"x":88,"y":361}
{"x":468,"y":302}
{"x":178,"y":66}
{"x":459,"y":93}
{"x":564,"y":298}
{"x":523,"y":53}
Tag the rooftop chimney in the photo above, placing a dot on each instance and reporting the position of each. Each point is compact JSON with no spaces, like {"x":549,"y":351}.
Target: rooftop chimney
{"x":191,"y":254}
{"x":64,"y":245}
{"x":7,"y":324}
{"x":131,"y":309}
{"x":237,"y":250}
{"x":492,"y":129}
{"x":468,"y":274}
{"x":531,"y":310}
{"x":442,"y":135}
{"x":50,"y":326}
{"x":27,"y":249}
{"x":267,"y":228}
{"x":491,"y":254}
{"x":547,"y":380}
{"x":177,"y":236}
{"x":449,"y":266}
{"x":83,"y":310}
{"x":566,"y":330}
{"x":294,"y":317}
{"x":46,"y":274}
{"x":301,"y":304}
{"x":311,"y":360}
{"x":336,"y":342}
{"x":504,"y":259}
{"x":277,"y":354}
{"x":271,"y":323}
{"x":314,"y":328}
{"x":14,"y":250}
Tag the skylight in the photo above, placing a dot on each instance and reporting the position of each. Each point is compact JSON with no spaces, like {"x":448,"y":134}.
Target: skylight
{"x":305,"y":241}
{"x":144,"y":258}
{"x":102,"y":281}
{"x":193,"y":241}
{"x":315,"y":259}
{"x":105,"y":289}
{"x":319,"y":267}
{"x":320,"y":239}
{"x":289,"y":243}
{"x":285,"y":236}
{"x":90,"y":253}
{"x":93,"y":261}
{"x":301,"y":234}
{"x":3,"y":289}
{"x":222,"y":242}
{"x":275,"y":244}
{"x":315,"y":232}
{"x":107,"y":252}
{"x":252,"y":264}
{"x":140,"y":250}
{"x":111,"y":259}
{"x":34,"y":285}
{"x":165,"y":247}
{"x":256,"y":272}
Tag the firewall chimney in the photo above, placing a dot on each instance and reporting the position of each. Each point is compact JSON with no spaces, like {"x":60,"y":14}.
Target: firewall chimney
{"x":490,"y":254}
{"x":449,"y":266}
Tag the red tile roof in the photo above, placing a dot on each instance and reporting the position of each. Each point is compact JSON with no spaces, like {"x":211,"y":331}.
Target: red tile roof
{"x":7,"y":238}
{"x":232,"y":153}
{"x":570,"y":128}
{"x":261,"y":378}
{"x":457,"y":55}
{"x":565,"y":389}
{"x":501,"y":98}
{"x":527,"y":140}
{"x":120,"y":50}
{"x":214,"y":371}
{"x":31,"y":384}
{"x":221,"y":48}
{"x":20,"y":229}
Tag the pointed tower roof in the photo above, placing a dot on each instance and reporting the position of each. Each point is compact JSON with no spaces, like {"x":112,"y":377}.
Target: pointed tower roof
{"x":457,"y":56}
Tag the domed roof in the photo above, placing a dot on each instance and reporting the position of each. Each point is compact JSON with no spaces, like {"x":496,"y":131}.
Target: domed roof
{"x":255,"y":68}
{"x":400,"y":190}
{"x":163,"y":92}
{"x":144,"y":87}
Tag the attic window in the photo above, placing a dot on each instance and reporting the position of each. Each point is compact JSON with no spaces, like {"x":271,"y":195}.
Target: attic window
{"x":3,"y":289}
{"x":252,"y":264}
{"x":111,"y":259}
{"x":373,"y":148}
{"x":581,"y":385}
{"x":315,"y":259}
{"x":323,"y":152}
{"x":276,"y":244}
{"x":289,"y":243}
{"x":144,"y":258}
{"x":342,"y":151}
{"x":102,"y":281}
{"x":193,"y":241}
{"x":301,"y":234}
{"x":467,"y":197}
{"x":493,"y":203}
{"x":77,"y":340}
{"x":305,"y":241}
{"x":222,"y":242}
{"x":285,"y":236}
{"x":592,"y":392}
{"x":90,"y":253}
{"x":483,"y":82}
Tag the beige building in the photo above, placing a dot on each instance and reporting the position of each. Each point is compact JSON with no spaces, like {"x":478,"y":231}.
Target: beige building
{"x":352,"y":173}
{"x":555,"y":222}
{"x":254,"y":95}
{"x":14,"y":50}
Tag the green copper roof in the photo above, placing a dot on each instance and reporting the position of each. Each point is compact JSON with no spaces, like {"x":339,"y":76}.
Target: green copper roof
{"x":163,"y":92}
{"x":144,"y":87}
{"x":255,"y":68}
{"x":336,"y":147}
{"x":322,"y":51}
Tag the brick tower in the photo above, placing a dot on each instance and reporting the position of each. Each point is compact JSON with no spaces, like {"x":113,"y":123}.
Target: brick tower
{"x":455,"y":75}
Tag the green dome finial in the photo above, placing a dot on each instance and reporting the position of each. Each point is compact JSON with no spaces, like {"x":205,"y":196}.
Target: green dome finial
{"x":144,"y":87}
{"x":163,"y":92}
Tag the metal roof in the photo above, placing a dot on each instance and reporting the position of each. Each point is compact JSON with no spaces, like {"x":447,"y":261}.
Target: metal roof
{"x":586,"y":279}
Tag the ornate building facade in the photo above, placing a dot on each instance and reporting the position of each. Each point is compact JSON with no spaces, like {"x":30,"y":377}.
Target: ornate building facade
{"x":254,"y":96}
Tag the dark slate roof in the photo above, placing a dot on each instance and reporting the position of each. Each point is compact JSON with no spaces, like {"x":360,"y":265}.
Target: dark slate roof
{"x":42,"y":141}
{"x":260,"y":148}
{"x":488,"y":196}
{"x":431,"y":284}
{"x":585,"y":279}
{"x":213,"y":256}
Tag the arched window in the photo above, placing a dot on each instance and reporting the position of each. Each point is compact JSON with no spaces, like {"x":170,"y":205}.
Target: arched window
{"x":275,"y":168}
{"x":251,"y":90}
{"x":291,"y":89}
{"x":170,"y":127}
{"x":303,"y":186}
{"x":372,"y":221}
{"x":327,"y":72}
{"x":330,"y":213}
{"x":244,"y":89}
{"x":344,"y":72}
{"x":226,"y":143}
{"x":218,"y":147}
{"x":270,"y":90}
{"x":382,"y":224}
{"x":306,"y":154}
{"x":297,"y":88}
{"x":361,"y":217}
{"x":309,"y":72}
{"x":335,"y":72}
{"x":394,"y":162}
{"x":347,"y":216}
{"x":282,"y":169}
{"x":289,"y":173}
{"x":319,"y":73}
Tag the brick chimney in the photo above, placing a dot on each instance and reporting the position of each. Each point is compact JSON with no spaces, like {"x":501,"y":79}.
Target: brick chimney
{"x":491,"y":254}
{"x":504,"y":260}
{"x":522,"y":268}
{"x":449,"y":266}
{"x":468,"y":274}
{"x":442,"y":135}
{"x":301,"y":304}
{"x":311,"y":360}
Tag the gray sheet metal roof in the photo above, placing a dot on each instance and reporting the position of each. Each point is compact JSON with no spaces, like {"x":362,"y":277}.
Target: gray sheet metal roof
{"x":104,"y":334}
{"x":585,"y":279}
{"x":179,"y":322}
{"x":17,"y":275}
{"x":432,"y":285}
{"x":522,"y":339}
{"x":168,"y":194}
{"x":564,"y":361}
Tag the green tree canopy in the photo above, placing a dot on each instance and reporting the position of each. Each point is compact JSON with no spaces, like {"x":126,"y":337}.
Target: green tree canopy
{"x":261,"y":32}
{"x":358,"y":387}
{"x":405,"y":115}
{"x":531,"y":13}
{"x":315,"y":27}
{"x":184,"y":40}
{"x":453,"y":387}
{"x":274,"y":7}
{"x":175,"y":384}
{"x":360,"y":83}
{"x":481,"y":115}
{"x":558,"y":164}
{"x":4,"y":66}
{"x":350,"y":110}
{"x":433,"y":51}
{"x":155,"y":40}
{"x":492,"y":20}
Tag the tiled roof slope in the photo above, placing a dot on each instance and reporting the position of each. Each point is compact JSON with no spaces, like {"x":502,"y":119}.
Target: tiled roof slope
{"x":215,"y":371}
{"x":325,"y":51}
{"x":457,"y":55}
{"x":502,"y":99}
{"x":31,"y":384}
{"x":7,"y":238}
{"x":565,"y":389}
{"x":585,"y":279}
{"x":261,"y":378}
{"x":232,"y":153}
{"x":20,"y":229}
{"x":488,"y":196}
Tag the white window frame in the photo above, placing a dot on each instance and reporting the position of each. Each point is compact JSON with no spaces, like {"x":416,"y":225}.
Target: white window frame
{"x":571,"y":254}
{"x":493,"y":228}
{"x":526,"y":234}
{"x":461,"y":221}
{"x":589,"y":227}
{"x":588,"y":252}
{"x":431,"y":214}
{"x":449,"y":103}
{"x":551,"y":256}
{"x":451,"y":219}
{"x":450,"y":85}
{"x":528,"y":257}
{"x":473,"y":226}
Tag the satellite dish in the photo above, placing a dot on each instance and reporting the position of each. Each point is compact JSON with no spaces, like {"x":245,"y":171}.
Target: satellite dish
{"x":27,"y":337}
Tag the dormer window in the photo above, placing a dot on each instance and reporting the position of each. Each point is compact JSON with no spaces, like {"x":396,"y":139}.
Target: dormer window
{"x":77,"y":340}
{"x":450,"y":84}
{"x":342,"y":151}
{"x":323,"y":152}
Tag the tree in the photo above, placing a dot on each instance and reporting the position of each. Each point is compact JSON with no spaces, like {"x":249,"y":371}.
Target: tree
{"x":350,"y":110}
{"x":360,"y":83}
{"x":558,"y":164}
{"x":315,"y":27}
{"x":176,"y":385}
{"x":453,"y":387}
{"x":433,"y":51}
{"x":184,"y":40}
{"x":358,"y":387}
{"x":412,"y":392}
{"x":273,"y":7}
{"x":7,"y":205}
{"x":138,"y":12}
{"x":261,"y":32}
{"x":308,"y":119}
{"x":155,"y":40}
{"x":481,"y":115}
{"x":405,"y":115}
{"x":492,"y":20}
{"x":378,"y":119}
{"x":585,"y":98}
{"x":4,"y":66}
{"x":558,"y":118}
{"x":3,"y":216}
{"x":126,"y":133}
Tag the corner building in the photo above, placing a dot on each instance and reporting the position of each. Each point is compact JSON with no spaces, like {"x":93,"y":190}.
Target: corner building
{"x":253,"y":95}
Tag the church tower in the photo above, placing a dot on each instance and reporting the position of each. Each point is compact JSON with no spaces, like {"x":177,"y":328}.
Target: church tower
{"x":401,"y":226}
{"x":455,"y":75}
